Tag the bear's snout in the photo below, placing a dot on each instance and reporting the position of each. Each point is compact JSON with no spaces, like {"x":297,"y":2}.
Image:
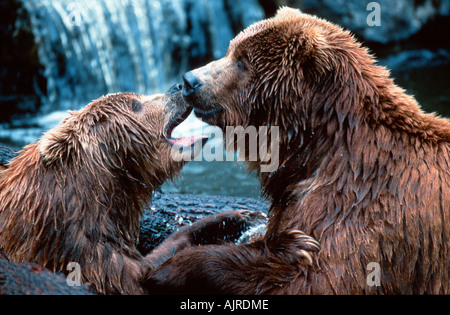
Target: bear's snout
{"x":174,"y":89}
{"x":191,"y":83}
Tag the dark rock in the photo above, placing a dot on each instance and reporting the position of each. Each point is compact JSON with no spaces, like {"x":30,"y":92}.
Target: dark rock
{"x":399,"y":19}
{"x":20,"y":69}
{"x":169,"y":212}
{"x":6,"y":154}
{"x":32,"y":279}
{"x":407,"y":60}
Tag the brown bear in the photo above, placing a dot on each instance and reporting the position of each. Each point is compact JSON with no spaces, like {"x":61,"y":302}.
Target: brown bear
{"x":362,"y":169}
{"x":76,"y":195}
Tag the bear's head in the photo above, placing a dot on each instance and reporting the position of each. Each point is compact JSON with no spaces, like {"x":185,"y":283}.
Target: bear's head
{"x":125,"y":136}
{"x":293,"y":71}
{"x":77,"y":194}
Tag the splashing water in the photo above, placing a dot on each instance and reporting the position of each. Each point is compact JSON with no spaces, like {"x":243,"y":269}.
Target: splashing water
{"x":252,"y":234}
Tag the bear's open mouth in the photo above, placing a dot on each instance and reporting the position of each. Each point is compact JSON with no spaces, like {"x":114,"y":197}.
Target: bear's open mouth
{"x":207,"y":114}
{"x":183,"y":141}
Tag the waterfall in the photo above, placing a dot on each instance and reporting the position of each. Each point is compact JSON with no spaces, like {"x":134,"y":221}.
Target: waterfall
{"x":91,"y":48}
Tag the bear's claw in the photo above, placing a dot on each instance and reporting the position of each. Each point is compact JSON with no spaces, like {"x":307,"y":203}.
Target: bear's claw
{"x":295,"y":247}
{"x":308,"y":240}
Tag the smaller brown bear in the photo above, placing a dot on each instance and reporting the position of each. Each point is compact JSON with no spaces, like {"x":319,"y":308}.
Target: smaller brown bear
{"x":78,"y":193}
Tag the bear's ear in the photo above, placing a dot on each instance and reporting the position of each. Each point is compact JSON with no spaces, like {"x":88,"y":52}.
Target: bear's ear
{"x":74,"y":135}
{"x":302,"y":39}
{"x":286,"y":12}
{"x":307,"y":48}
{"x":73,"y":113}
{"x":55,"y":144}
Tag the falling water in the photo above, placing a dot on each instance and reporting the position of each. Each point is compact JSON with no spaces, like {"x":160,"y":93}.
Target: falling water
{"x":90,"y":48}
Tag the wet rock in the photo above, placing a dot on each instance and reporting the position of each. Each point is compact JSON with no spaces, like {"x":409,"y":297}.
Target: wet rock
{"x":411,"y":59}
{"x":32,"y":279}
{"x":399,"y":19}
{"x":6,"y":154}
{"x":20,"y":70}
{"x":169,"y":212}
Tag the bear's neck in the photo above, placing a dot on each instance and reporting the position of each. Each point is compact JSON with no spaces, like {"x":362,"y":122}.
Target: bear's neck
{"x":299,"y":159}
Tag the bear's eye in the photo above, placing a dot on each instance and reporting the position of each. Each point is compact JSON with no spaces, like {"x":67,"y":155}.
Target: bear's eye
{"x":241,"y":65}
{"x":136,"y":106}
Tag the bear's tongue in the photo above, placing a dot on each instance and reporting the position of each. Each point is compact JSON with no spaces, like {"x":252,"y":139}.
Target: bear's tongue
{"x":188,"y":132}
{"x":187,"y":141}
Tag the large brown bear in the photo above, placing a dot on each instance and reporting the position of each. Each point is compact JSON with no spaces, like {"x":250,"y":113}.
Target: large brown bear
{"x":362,"y":169}
{"x":76,"y":195}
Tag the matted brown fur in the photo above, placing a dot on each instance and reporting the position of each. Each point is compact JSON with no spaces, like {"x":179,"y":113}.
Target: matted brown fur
{"x":77,"y":194}
{"x":362,"y":168}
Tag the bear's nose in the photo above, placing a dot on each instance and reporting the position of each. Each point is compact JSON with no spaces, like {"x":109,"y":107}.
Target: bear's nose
{"x":191,"y":83}
{"x":175,"y":89}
